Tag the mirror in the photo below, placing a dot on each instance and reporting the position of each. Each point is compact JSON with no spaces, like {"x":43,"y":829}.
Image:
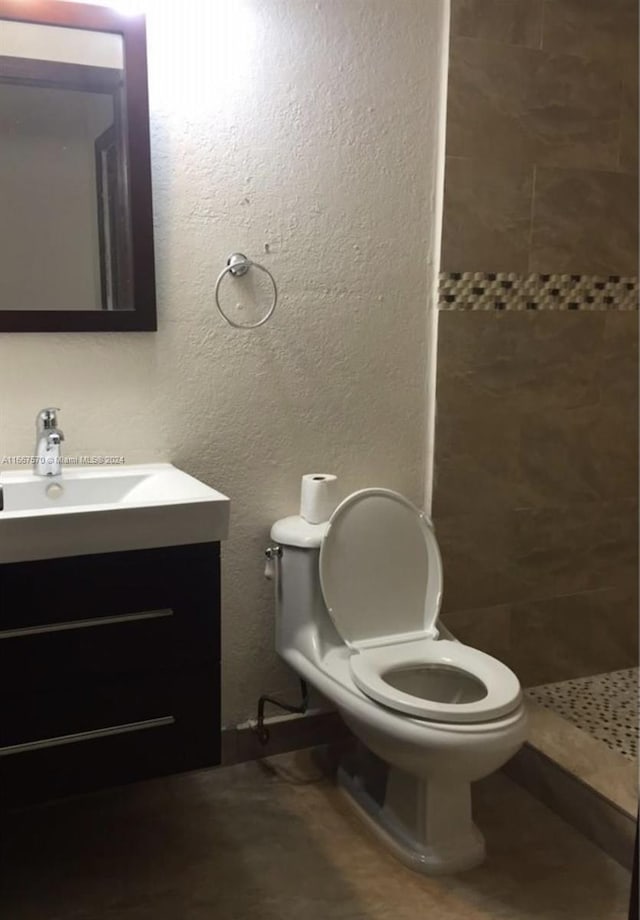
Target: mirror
{"x":76,"y":231}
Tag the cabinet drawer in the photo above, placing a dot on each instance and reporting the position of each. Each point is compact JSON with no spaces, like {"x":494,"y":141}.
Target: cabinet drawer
{"x":65,"y":590}
{"x":76,"y":653}
{"x":36,"y":717}
{"x":53,"y":744}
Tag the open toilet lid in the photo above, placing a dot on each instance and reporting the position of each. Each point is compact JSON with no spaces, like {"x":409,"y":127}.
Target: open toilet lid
{"x":380,"y":569}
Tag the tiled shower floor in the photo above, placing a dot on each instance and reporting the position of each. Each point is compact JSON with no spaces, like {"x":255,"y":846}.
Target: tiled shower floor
{"x":605,"y":706}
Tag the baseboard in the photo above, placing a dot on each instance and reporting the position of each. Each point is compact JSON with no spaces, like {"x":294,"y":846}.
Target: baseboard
{"x":578,"y":804}
{"x":287,"y":733}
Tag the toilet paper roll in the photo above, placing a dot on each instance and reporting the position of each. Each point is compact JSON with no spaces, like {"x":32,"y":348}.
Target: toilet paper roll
{"x":318,"y":497}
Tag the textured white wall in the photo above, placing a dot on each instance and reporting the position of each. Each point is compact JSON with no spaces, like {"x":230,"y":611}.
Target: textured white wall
{"x":311,"y":127}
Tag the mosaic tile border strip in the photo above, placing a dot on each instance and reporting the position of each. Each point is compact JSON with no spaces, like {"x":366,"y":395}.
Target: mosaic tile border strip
{"x":508,"y":291}
{"x":605,"y":706}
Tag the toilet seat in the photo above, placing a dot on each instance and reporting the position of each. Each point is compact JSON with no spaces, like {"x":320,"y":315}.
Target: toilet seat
{"x":381,"y":578}
{"x":472,"y":686}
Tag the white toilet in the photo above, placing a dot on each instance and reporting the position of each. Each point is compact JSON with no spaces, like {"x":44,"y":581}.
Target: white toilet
{"x":357,"y":603}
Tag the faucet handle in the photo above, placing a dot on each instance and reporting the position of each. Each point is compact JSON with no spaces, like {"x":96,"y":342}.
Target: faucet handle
{"x":47,"y":419}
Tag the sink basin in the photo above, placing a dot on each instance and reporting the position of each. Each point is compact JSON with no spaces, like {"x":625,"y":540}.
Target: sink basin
{"x":104,"y":510}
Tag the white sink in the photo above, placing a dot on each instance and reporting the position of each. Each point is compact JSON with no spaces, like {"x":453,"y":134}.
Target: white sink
{"x":103,"y":510}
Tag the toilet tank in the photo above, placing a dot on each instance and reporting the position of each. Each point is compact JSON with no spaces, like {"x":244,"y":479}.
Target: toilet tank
{"x":302,"y":620}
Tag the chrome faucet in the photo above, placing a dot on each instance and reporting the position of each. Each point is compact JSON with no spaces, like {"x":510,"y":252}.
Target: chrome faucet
{"x":48,"y":441}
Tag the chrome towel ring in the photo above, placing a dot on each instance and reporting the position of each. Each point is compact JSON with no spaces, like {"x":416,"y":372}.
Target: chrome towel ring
{"x":237,"y":266}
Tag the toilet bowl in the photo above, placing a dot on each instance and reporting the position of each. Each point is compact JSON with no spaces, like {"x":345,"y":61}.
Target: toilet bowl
{"x":357,"y":606}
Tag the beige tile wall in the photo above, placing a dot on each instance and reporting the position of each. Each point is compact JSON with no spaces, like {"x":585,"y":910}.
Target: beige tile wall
{"x":542,"y":137}
{"x":536,"y":482}
{"x":536,"y":474}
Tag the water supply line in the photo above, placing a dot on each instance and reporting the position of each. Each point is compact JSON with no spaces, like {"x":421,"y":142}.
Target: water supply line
{"x":261,"y":729}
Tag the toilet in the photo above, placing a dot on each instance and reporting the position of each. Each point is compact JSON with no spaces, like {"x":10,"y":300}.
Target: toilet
{"x":357,"y":605}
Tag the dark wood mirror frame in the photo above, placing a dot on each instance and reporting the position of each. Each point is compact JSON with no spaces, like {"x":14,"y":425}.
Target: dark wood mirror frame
{"x":142,"y":318}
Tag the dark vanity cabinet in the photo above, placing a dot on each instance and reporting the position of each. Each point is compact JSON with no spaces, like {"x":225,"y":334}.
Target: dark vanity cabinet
{"x":109,"y":669}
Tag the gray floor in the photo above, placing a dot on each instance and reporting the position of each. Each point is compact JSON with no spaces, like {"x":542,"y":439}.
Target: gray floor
{"x":272,"y":841}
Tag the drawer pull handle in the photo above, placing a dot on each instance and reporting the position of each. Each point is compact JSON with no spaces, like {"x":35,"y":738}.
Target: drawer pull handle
{"x":85,"y":736}
{"x":84,"y":624}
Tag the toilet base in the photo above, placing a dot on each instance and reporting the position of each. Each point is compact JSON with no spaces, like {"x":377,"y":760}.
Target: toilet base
{"x":427,"y":826}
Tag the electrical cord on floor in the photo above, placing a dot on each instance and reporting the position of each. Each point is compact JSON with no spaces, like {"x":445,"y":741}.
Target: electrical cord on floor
{"x":283,"y":774}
